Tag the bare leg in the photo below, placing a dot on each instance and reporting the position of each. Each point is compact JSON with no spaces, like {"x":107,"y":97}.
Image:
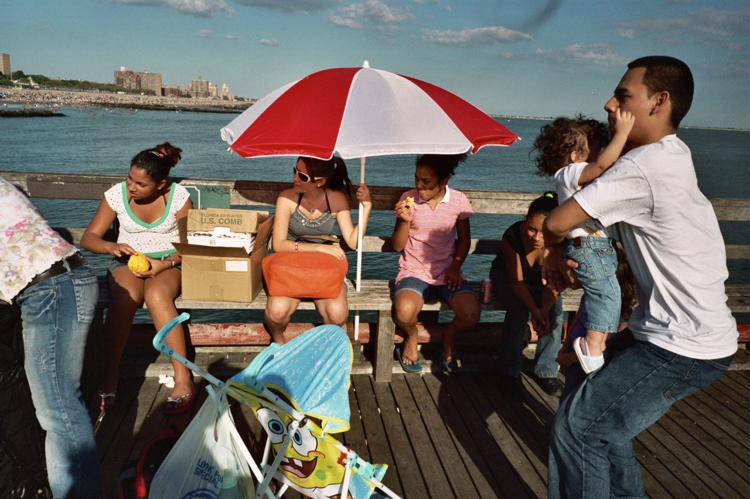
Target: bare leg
{"x":467,"y":310}
{"x":334,"y":310}
{"x":160,"y":293}
{"x":279,"y":310}
{"x":408,"y":304}
{"x":596,"y":341}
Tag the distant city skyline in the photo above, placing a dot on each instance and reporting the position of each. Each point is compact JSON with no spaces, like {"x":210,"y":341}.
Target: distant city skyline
{"x":546,"y":58}
{"x":140,"y":80}
{"x":153,"y":80}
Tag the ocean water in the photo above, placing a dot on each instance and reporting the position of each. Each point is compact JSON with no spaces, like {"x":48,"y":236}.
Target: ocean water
{"x":101,"y":141}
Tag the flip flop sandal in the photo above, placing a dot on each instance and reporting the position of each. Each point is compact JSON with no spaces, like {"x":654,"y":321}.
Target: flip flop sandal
{"x":414,"y":367}
{"x":180,"y":405}
{"x":449,"y":366}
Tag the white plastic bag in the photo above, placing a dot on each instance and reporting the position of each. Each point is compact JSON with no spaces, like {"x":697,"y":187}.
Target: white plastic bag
{"x":208,"y":460}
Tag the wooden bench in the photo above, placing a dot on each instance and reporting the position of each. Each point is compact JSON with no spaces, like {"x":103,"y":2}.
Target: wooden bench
{"x":375,"y":295}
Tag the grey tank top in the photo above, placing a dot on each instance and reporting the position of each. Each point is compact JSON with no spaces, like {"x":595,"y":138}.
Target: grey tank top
{"x":301,"y":225}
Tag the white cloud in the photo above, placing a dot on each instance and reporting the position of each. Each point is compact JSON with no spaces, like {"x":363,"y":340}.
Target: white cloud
{"x":706,"y":26}
{"x":596,"y":53}
{"x":200,"y":8}
{"x":625,"y":33}
{"x":474,"y":37}
{"x":343,"y":21}
{"x":372,"y":14}
{"x":300,"y":6}
{"x":269,"y":42}
{"x":204,"y":33}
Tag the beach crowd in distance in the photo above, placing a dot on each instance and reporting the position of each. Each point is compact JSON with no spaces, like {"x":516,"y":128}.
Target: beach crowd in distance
{"x":54,"y":99}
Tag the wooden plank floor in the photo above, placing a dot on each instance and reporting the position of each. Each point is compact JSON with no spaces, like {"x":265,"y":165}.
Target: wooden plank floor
{"x":458,"y":435}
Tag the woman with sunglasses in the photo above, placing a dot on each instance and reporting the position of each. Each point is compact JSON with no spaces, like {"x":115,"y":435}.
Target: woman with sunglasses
{"x":320,"y":197}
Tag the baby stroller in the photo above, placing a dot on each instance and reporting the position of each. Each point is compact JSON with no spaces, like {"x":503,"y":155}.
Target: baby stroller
{"x":299,"y":393}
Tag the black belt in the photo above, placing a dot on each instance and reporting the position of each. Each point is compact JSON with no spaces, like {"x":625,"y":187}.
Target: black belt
{"x":74,"y":261}
{"x":576,"y":242}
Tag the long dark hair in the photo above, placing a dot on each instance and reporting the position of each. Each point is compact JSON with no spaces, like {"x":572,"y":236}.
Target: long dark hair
{"x":157,"y":161}
{"x":333,"y":170}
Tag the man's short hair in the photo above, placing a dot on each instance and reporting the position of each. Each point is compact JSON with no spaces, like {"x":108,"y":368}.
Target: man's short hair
{"x":670,"y":74}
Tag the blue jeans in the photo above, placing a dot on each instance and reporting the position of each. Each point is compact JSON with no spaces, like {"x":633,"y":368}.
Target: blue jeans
{"x":597,"y":264}
{"x":427,"y":291}
{"x":514,"y":329}
{"x":56,"y":314}
{"x":590,"y":451}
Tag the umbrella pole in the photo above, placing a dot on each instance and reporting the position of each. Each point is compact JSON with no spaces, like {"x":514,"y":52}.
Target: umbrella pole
{"x":360,"y":217}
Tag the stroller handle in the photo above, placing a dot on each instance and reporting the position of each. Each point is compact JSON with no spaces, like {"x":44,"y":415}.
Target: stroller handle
{"x":162,"y":334}
{"x":159,"y":344}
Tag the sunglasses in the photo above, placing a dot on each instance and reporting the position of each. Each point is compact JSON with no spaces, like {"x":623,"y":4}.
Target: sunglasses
{"x":304,"y":177}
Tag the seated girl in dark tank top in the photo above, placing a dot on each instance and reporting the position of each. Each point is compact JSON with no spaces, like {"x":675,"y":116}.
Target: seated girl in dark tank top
{"x":320,"y":196}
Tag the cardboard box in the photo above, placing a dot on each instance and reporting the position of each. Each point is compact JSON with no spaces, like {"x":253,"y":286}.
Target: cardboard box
{"x":222,"y":236}
{"x":215,"y":273}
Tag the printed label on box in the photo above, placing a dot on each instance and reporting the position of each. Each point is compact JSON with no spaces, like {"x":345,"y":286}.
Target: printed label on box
{"x":236,"y":266}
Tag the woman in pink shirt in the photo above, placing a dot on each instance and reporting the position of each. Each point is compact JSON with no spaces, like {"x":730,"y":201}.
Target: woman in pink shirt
{"x":433,"y":234}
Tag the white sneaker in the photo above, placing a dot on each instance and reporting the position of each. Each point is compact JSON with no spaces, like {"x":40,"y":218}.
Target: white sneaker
{"x":588,"y":362}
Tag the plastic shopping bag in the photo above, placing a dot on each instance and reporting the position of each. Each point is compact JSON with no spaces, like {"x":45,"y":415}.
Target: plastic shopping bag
{"x":208,"y":460}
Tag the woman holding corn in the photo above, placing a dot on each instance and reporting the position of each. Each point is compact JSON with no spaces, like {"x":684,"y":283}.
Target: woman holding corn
{"x":145,"y":267}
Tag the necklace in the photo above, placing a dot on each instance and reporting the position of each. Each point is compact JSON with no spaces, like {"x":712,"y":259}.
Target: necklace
{"x":314,"y":209}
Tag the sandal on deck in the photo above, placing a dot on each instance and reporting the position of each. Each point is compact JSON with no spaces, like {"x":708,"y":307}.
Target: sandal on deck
{"x":179,"y":405}
{"x":449,"y":366}
{"x":414,"y":367}
{"x":101,"y":401}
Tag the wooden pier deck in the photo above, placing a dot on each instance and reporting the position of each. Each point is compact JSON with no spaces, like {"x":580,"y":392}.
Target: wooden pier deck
{"x":458,"y":435}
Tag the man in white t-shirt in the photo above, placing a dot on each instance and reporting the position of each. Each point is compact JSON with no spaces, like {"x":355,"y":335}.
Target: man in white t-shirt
{"x":682,"y":335}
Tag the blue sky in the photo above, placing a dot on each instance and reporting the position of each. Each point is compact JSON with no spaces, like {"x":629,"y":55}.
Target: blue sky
{"x":515,"y":57}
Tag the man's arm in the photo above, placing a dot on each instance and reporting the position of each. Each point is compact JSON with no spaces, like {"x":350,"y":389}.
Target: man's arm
{"x":556,"y":270}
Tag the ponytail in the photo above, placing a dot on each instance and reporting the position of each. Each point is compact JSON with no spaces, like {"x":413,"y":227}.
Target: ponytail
{"x":543,"y":204}
{"x":158,"y":161}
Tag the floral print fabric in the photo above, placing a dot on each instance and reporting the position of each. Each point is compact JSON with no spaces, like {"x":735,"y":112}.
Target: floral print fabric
{"x":28,"y":245}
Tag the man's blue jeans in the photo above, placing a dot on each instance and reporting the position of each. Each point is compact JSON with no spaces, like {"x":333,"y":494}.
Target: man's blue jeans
{"x":56,"y":314}
{"x":514,"y":329}
{"x":590,"y":452}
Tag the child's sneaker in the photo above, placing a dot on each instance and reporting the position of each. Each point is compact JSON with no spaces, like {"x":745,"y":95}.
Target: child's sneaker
{"x":588,"y":363}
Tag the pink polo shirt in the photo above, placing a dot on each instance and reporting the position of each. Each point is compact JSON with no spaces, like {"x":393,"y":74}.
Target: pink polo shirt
{"x":431,"y":245}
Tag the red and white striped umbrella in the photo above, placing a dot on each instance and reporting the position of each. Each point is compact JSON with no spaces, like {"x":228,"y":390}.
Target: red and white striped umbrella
{"x":358,"y":113}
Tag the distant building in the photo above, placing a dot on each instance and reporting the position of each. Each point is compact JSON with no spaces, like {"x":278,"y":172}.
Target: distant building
{"x":151,"y":81}
{"x":127,"y":79}
{"x":172,"y":91}
{"x":137,"y":80}
{"x":199,"y":88}
{"x":225,"y":93}
{"x":5,"y":65}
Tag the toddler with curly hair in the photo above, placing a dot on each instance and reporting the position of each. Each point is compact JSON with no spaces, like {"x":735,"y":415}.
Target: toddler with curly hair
{"x":569,"y":150}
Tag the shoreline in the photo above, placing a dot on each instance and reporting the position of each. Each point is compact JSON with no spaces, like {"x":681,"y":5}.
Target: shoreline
{"x":54,"y":99}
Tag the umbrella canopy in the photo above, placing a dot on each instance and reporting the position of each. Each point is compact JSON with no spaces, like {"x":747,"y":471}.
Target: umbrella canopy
{"x":362,"y":112}
{"x":359,"y":113}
